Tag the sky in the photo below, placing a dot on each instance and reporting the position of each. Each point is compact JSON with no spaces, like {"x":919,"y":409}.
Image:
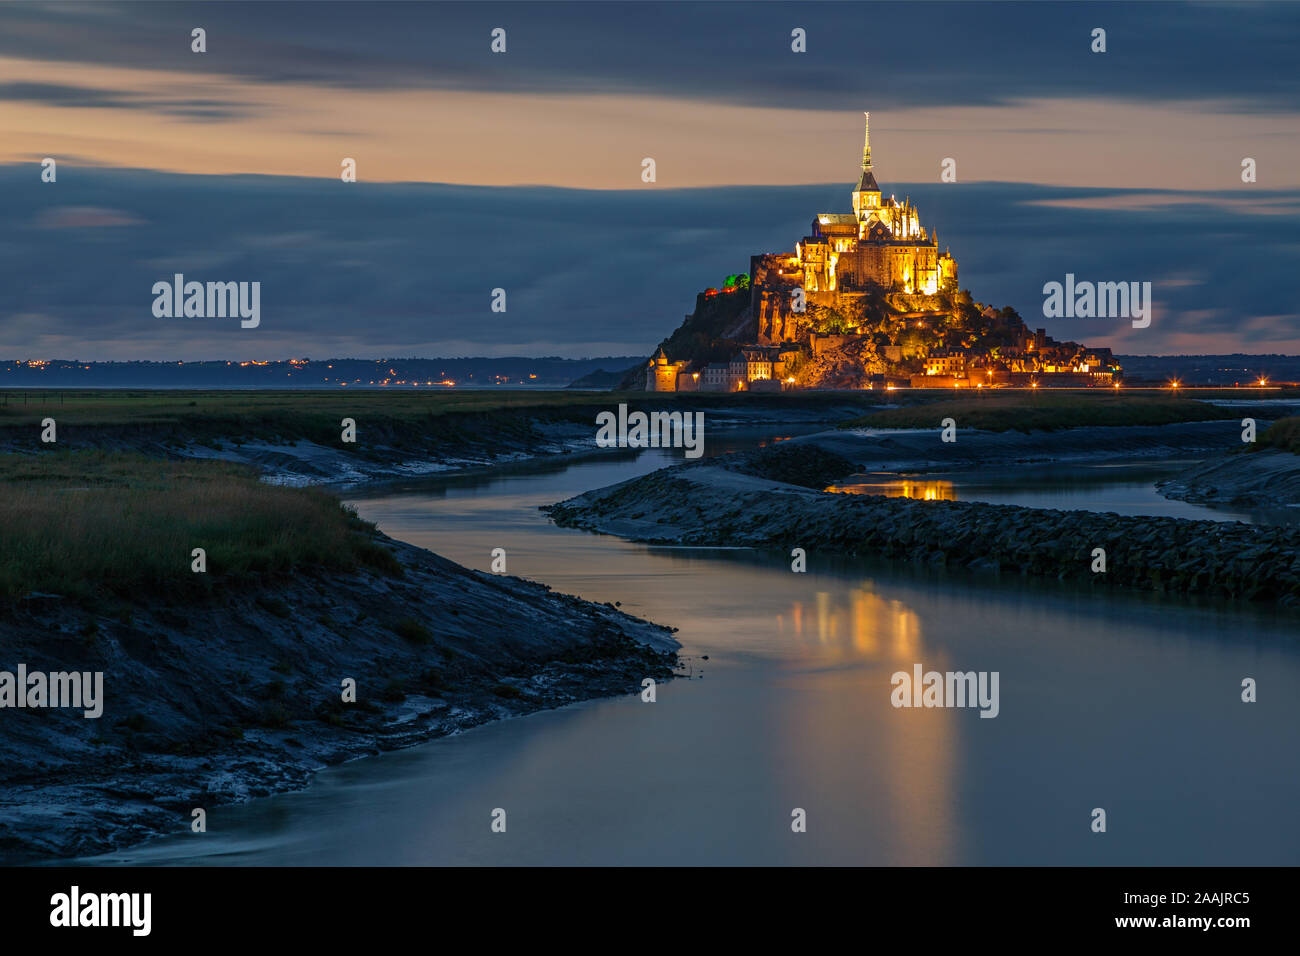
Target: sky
{"x":522,"y":170}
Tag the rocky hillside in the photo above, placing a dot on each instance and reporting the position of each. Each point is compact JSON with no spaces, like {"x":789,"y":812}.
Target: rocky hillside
{"x":721,"y":323}
{"x":881,"y":332}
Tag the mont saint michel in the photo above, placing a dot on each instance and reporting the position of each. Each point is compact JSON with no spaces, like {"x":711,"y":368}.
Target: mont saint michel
{"x":865,"y":300}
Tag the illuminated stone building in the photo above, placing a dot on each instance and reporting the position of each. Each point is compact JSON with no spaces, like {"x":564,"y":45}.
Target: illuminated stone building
{"x":880,"y":244}
{"x":661,"y":374}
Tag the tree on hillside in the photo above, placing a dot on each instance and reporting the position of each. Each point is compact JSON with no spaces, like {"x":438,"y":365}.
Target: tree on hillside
{"x":827,"y":320}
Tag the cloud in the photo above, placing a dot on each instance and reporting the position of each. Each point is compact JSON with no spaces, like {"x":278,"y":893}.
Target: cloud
{"x":54,"y":94}
{"x":894,"y":55}
{"x":370,"y":270}
{"x":83,"y":217}
{"x":85,"y":97}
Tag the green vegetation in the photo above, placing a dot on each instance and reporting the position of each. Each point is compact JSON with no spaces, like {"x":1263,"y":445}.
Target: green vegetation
{"x":243,"y":410}
{"x":412,"y":630}
{"x":1045,"y":410}
{"x":946,"y":320}
{"x":89,"y":524}
{"x":1283,"y":434}
{"x":402,"y":419}
{"x":406,"y":420}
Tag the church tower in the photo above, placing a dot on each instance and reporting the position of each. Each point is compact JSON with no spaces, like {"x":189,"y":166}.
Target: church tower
{"x":866,"y":195}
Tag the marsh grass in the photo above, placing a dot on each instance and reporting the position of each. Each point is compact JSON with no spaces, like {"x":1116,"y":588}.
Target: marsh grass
{"x":1283,"y":434}
{"x":86,"y":524}
{"x":1045,"y":411}
{"x":244,"y":414}
{"x":409,"y":421}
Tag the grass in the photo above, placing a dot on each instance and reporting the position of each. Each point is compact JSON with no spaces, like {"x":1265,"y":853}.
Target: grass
{"x":1283,"y":434}
{"x":238,"y":411}
{"x":407,"y":420}
{"x":155,"y":406}
{"x":86,"y":524}
{"x":1046,"y":411}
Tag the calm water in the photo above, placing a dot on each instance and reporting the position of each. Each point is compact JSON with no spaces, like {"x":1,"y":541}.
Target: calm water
{"x":1126,"y":488}
{"x":1120,"y":703}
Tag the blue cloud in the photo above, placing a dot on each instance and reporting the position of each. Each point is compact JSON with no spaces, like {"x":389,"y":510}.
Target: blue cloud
{"x":893,"y":55}
{"x":378,"y":269}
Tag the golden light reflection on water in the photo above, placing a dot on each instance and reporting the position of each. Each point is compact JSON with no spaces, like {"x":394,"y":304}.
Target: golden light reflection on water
{"x":839,"y":723}
{"x":920,"y":490}
{"x":868,"y":627}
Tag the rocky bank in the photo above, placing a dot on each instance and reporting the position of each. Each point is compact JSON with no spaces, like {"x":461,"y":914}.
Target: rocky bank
{"x":1268,"y":476}
{"x":771,"y":499}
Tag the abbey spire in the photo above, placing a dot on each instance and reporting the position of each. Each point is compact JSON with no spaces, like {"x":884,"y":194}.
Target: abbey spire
{"x":866,"y":195}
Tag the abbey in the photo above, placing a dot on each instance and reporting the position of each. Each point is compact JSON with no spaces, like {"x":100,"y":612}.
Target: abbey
{"x":867,"y":300}
{"x":880,"y":244}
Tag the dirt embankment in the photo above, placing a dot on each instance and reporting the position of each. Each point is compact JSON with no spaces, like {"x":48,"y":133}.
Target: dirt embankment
{"x":243,"y":695}
{"x":381,"y":452}
{"x":292,"y":448}
{"x":1260,"y":478}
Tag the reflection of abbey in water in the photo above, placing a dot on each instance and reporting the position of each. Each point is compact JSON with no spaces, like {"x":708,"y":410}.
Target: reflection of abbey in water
{"x":933,"y":490}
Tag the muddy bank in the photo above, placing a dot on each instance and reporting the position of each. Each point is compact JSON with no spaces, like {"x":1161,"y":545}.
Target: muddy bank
{"x":241,"y":696}
{"x":1258,"y":478}
{"x":288,"y":453}
{"x":379,"y":454}
{"x":732,"y":502}
{"x":924,"y":449}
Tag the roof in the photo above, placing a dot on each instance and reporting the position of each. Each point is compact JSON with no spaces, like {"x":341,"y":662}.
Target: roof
{"x":866,"y":183}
